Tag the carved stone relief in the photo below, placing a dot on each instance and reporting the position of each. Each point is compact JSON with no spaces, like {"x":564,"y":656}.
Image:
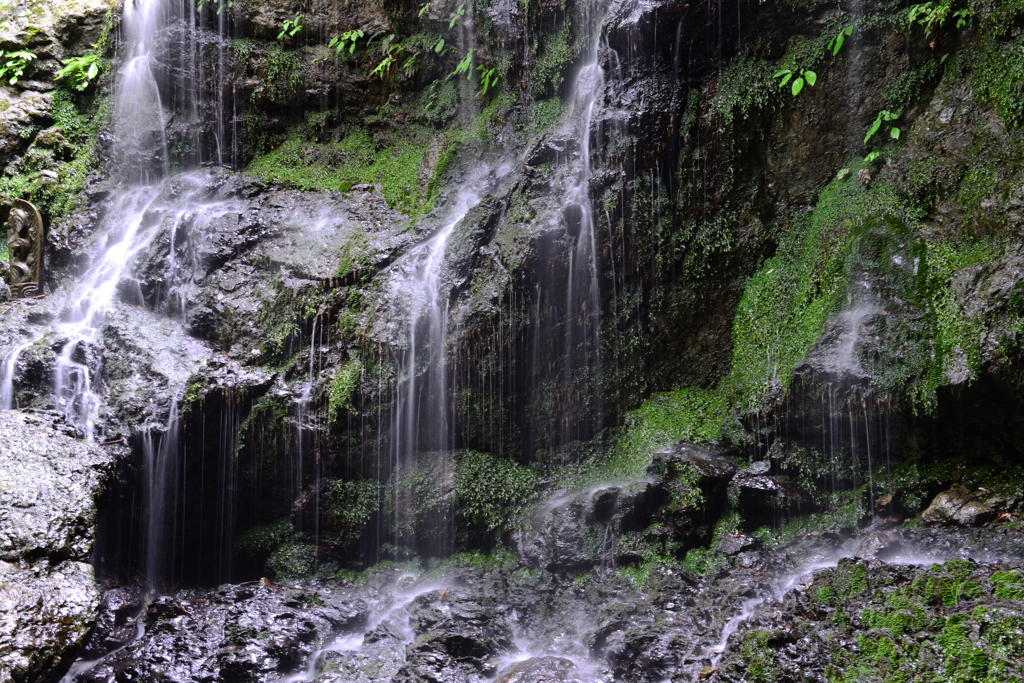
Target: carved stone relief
{"x":25,"y":246}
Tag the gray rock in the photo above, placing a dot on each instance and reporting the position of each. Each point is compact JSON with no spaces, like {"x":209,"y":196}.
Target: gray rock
{"x":537,"y":669}
{"x":959,"y":506}
{"x":49,"y":483}
{"x":709,"y":463}
{"x":880,"y":544}
{"x":734,"y":544}
{"x":44,"y":615}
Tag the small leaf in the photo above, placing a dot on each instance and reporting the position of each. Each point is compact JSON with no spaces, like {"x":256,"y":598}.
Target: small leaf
{"x":786,"y":79}
{"x":798,"y":85}
{"x":782,"y":73}
{"x":895,"y":133}
{"x":811,"y":77}
{"x":93,"y":70}
{"x":871,"y":157}
{"x":439,"y":45}
{"x":944,"y":58}
{"x":848,"y":30}
{"x":422,"y":10}
{"x":874,"y":128}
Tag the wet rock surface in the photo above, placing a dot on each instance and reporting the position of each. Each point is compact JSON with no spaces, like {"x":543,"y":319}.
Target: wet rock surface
{"x":959,"y":506}
{"x":806,"y":605}
{"x":49,"y":486}
{"x":254,"y":632}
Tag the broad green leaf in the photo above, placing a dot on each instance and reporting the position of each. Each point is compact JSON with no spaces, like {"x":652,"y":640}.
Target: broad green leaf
{"x":786,"y":79}
{"x":798,"y":85}
{"x":811,"y":77}
{"x":439,"y":45}
{"x":895,"y":133}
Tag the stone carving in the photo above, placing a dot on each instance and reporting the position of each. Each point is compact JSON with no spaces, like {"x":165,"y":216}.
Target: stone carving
{"x":25,"y":246}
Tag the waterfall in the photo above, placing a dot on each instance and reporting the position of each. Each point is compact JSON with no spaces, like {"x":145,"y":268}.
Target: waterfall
{"x":140,"y":143}
{"x":423,"y":410}
{"x":581,"y":363}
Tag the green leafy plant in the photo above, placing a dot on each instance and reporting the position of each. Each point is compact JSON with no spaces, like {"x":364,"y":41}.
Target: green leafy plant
{"x":422,"y":10}
{"x":488,"y":77}
{"x":291,"y":26}
{"x":438,"y":47}
{"x":463,"y":66}
{"x":884,"y":116}
{"x":933,"y":15}
{"x":79,"y":72}
{"x":347,"y":39}
{"x":459,"y":13}
{"x":836,"y":43}
{"x":802,"y":76}
{"x":12,"y":64}
{"x":221,"y":4}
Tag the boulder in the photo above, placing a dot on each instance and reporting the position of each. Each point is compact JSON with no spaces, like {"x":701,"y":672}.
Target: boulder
{"x":960,"y":506}
{"x":49,"y":485}
{"x":540,"y":670}
{"x":734,"y":544}
{"x":45,"y":613}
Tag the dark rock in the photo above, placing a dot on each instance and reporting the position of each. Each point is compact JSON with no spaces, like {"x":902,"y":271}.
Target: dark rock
{"x":880,"y":544}
{"x":709,"y":462}
{"x":734,"y":544}
{"x":960,"y":506}
{"x":540,"y":670}
{"x":253,"y":632}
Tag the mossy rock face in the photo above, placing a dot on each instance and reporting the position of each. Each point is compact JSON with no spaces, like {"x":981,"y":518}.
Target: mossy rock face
{"x":339,"y":509}
{"x":260,"y":541}
{"x":869,"y":621}
{"x":294,"y":561}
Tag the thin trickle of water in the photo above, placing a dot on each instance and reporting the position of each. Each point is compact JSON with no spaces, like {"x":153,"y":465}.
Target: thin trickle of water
{"x":161,"y":467}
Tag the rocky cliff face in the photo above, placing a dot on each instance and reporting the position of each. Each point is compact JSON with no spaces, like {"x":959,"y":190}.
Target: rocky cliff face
{"x":822,"y":279}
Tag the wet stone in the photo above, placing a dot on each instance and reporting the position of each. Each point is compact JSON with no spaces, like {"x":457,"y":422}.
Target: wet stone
{"x":958,"y":506}
{"x":734,"y":544}
{"x":540,"y":670}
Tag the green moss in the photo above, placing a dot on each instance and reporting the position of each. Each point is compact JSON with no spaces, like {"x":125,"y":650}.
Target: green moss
{"x":786,"y":303}
{"x":347,"y":507}
{"x":392,"y":162}
{"x":264,"y":539}
{"x":1009,"y":585}
{"x":492,"y":494}
{"x":746,"y":86}
{"x":70,"y":151}
{"x":689,"y":414}
{"x":759,"y":656}
{"x":342,"y":388}
{"x":293,"y":561}
{"x":999,"y":76}
{"x":553,"y":54}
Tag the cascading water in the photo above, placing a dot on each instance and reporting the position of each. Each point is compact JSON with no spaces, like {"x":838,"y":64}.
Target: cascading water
{"x":140,"y":153}
{"x":422,"y":413}
{"x":581,"y":364}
